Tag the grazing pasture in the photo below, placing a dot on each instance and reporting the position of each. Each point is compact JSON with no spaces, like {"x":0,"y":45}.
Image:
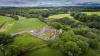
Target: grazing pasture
{"x":27,"y":24}
{"x":91,"y":13}
{"x":58,"y":16}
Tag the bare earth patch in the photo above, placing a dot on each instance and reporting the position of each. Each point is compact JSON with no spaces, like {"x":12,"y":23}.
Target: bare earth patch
{"x":45,"y":33}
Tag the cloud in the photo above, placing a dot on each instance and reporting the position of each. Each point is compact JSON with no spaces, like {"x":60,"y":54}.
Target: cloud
{"x":37,"y":2}
{"x":84,"y":1}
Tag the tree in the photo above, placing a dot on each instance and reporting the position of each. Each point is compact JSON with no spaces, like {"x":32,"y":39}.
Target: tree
{"x":55,"y":25}
{"x":16,"y":17}
{"x":45,"y":14}
{"x":71,"y":44}
{"x":67,"y":21}
{"x":94,"y":43}
{"x":72,"y":49}
{"x":94,"y":25}
{"x":12,"y":50}
{"x":4,"y":40}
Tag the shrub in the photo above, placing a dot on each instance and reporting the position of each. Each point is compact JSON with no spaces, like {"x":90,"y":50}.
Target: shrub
{"x":94,"y":43}
{"x":15,"y":17}
{"x":67,"y":21}
{"x":94,"y":25}
{"x":55,"y":25}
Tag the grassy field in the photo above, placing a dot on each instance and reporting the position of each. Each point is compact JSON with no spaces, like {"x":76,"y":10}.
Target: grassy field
{"x":45,"y":52}
{"x":5,"y":19}
{"x":37,"y":46}
{"x":60,"y":16}
{"x":7,"y":23}
{"x":90,"y":13}
{"x":26,"y":24}
{"x":11,"y":25}
{"x":26,"y":42}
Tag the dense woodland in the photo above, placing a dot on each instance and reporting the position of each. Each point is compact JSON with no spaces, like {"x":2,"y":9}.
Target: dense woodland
{"x":30,"y":12}
{"x":80,"y":35}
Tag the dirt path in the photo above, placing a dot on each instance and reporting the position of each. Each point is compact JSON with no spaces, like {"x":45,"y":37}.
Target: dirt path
{"x":45,"y":33}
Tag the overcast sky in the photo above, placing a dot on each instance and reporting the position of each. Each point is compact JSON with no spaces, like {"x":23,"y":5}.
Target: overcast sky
{"x":33,"y":2}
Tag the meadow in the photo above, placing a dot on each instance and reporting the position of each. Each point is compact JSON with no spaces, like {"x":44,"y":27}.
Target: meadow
{"x":60,"y":16}
{"x":91,"y":13}
{"x":27,"y":24}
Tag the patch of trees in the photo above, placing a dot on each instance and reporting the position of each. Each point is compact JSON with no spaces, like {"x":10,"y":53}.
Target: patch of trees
{"x":77,"y":41}
{"x":4,"y":40}
{"x":77,"y":38}
{"x":71,"y":44}
{"x":93,"y":37}
{"x":44,"y":16}
{"x":63,"y":23}
{"x":34,"y":12}
{"x":93,"y":21}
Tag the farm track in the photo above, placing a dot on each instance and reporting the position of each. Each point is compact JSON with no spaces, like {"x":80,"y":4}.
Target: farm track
{"x":46,"y":33}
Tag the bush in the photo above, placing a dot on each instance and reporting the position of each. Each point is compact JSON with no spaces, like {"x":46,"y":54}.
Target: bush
{"x":67,"y":21}
{"x":55,"y":25}
{"x":33,"y":16}
{"x":86,"y":18}
{"x":5,"y":38}
{"x":94,"y":25}
{"x":94,"y":18}
{"x":15,"y":17}
{"x":45,"y":14}
{"x":72,"y":49}
{"x":94,"y":43}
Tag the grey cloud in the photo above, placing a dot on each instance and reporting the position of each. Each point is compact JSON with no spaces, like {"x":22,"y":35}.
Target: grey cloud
{"x":34,"y":2}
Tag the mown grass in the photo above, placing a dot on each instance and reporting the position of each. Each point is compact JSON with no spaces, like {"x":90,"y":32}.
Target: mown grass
{"x":91,"y":13}
{"x":58,"y":16}
{"x":5,"y":19}
{"x":27,"y":24}
{"x":7,"y":23}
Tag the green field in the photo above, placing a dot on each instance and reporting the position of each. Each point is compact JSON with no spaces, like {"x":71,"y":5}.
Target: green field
{"x":91,"y":13}
{"x":26,"y":41}
{"x":7,"y":21}
{"x":37,"y":46}
{"x":27,"y":24}
{"x":11,"y":25}
{"x":45,"y":52}
{"x":58,"y":16}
